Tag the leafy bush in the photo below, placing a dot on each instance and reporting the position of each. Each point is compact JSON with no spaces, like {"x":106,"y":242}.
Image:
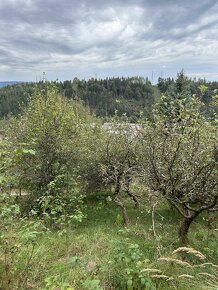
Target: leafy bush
{"x":17,"y":235}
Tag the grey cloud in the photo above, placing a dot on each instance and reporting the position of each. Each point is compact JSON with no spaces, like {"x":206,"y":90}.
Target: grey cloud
{"x":103,"y":35}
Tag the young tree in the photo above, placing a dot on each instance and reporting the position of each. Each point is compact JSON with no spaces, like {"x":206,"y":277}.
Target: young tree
{"x":53,"y":128}
{"x":181,"y":156}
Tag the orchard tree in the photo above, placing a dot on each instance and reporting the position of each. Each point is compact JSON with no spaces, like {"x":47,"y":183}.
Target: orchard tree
{"x":120,"y":162}
{"x":91,"y":156}
{"x":53,"y":128}
{"x":180,"y":159}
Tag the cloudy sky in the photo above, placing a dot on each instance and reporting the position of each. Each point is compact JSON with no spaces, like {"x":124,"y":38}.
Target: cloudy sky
{"x":82,"y":38}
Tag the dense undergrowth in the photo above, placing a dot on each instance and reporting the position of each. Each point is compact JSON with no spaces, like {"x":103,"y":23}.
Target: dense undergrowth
{"x":100,"y":253}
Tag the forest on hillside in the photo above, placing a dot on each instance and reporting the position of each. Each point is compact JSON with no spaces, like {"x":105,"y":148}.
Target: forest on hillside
{"x":131,"y":96}
{"x":132,"y":207}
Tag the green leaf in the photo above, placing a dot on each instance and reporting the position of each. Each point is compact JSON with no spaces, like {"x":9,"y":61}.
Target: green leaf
{"x":72,"y":261}
{"x":29,"y":151}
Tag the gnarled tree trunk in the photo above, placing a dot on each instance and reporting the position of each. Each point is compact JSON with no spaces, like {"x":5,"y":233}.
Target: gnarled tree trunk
{"x":184,"y":229}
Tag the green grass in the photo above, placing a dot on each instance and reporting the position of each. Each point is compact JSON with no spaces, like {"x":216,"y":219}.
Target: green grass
{"x":95,"y":254}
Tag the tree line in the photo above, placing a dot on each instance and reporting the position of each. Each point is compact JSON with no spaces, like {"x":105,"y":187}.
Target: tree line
{"x":132,"y":96}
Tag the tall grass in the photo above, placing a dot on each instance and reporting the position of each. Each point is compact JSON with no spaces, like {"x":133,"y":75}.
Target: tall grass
{"x":100,"y":253}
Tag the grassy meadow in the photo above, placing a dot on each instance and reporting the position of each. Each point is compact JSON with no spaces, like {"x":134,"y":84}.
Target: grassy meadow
{"x":100,"y":253}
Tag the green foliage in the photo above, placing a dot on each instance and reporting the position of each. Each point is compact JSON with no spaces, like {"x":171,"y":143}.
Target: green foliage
{"x":129,"y":262}
{"x":184,"y":87}
{"x":98,"y":250}
{"x":52,"y":124}
{"x":133,"y":95}
{"x":53,"y":282}
{"x":61,"y":211}
{"x":119,"y":220}
{"x":180,"y":155}
{"x":17,"y":235}
{"x":120,"y":153}
{"x":47,"y":142}
{"x":92,"y":285}
{"x":105,"y":96}
{"x":12,"y":98}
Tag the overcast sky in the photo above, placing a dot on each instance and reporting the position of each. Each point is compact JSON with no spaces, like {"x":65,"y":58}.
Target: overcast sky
{"x":70,"y":38}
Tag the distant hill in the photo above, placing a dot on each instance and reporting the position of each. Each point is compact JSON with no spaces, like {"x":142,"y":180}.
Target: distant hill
{"x":9,"y":83}
{"x":104,"y":97}
{"x":133,"y":96}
